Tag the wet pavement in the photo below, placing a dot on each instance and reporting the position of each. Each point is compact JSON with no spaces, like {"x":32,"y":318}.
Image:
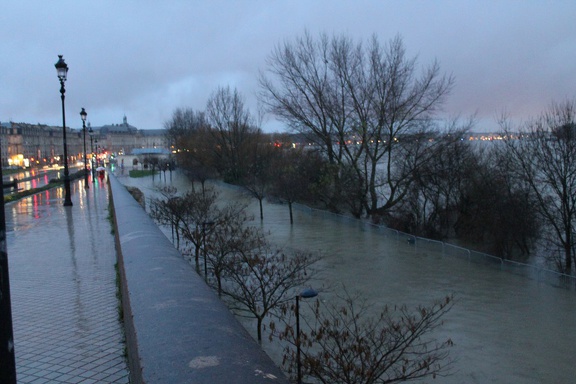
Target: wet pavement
{"x":63,"y":288}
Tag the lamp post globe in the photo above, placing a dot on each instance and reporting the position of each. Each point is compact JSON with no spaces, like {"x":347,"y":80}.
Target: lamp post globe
{"x":83,"y":115}
{"x":62,"y":71}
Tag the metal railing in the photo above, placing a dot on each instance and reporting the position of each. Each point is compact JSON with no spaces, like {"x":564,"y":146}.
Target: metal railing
{"x":530,"y":271}
{"x":534,"y":272}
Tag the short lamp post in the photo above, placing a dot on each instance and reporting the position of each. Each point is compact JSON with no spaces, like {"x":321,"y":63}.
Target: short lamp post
{"x":83,"y":115}
{"x":62,"y":70}
{"x":308,"y":293}
{"x":91,"y":133}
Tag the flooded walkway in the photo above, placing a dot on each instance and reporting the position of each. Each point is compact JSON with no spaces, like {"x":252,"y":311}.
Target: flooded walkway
{"x":505,"y":328}
{"x":63,"y":288}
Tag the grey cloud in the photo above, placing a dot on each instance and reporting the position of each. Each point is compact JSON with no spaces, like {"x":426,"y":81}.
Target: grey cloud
{"x":146,"y":58}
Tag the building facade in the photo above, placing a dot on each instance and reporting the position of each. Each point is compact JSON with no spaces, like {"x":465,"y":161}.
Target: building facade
{"x":39,"y":145}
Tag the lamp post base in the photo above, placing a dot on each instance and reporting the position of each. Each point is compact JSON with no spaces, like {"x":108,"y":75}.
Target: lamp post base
{"x":67,"y":200}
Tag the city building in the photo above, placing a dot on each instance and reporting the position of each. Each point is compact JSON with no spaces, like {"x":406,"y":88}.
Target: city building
{"x":40,"y":145}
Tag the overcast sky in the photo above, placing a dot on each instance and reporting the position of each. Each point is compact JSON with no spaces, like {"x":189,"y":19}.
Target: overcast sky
{"x":145,"y":58}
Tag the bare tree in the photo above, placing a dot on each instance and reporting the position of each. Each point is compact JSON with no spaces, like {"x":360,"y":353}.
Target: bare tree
{"x":298,"y":90}
{"x":202,"y":164}
{"x":232,"y":129}
{"x":229,"y":236}
{"x":543,"y":151}
{"x":259,"y":176}
{"x":350,"y":342}
{"x":399,"y":120}
{"x":495,"y":212}
{"x":261,"y":279}
{"x":257,"y":183}
{"x":189,"y":136}
{"x":167,"y":211}
{"x":301,"y":87}
{"x":197,"y":209}
{"x":295,"y":173}
{"x":431,"y":206}
{"x":183,"y":123}
{"x":366,"y":107}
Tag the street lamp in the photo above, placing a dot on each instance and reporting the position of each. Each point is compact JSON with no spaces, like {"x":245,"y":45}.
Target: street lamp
{"x":91,"y":133}
{"x":83,"y":115}
{"x":7,"y":355}
{"x":308,"y":293}
{"x":62,"y":70}
{"x":96,"y":146}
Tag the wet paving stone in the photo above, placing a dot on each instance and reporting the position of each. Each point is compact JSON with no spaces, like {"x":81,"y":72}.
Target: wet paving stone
{"x":63,"y":288}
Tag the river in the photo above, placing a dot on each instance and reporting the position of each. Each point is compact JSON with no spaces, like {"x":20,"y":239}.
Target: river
{"x":505,"y":328}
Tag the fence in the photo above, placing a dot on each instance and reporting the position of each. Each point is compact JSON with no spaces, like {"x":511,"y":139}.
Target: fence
{"x":530,"y":271}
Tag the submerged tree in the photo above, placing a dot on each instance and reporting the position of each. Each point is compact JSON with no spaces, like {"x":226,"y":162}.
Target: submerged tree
{"x":167,"y":211}
{"x":295,"y":174}
{"x":228,"y":238}
{"x":189,"y":214}
{"x":349,"y":342}
{"x":430,"y":207}
{"x":543,"y":153}
{"x":188,"y":134}
{"x":261,"y":279}
{"x":258,"y":179}
{"x":234,"y":133}
{"x":368,"y":107}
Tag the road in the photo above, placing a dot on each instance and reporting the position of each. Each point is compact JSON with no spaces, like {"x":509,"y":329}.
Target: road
{"x":34,"y":178}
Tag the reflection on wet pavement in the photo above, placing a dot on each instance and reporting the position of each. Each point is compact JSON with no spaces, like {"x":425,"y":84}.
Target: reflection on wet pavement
{"x":63,"y":288}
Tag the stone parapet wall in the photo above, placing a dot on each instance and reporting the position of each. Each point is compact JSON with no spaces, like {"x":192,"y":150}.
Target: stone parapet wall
{"x":177,"y":329}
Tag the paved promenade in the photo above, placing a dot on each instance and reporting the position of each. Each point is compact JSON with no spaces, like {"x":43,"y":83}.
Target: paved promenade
{"x":63,"y":288}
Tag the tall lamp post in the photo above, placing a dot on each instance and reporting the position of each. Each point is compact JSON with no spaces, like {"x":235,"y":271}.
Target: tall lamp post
{"x":62,"y":70}
{"x":83,"y":115}
{"x":96,"y":145}
{"x":305,"y":294}
{"x":7,"y":356}
{"x":91,"y":133}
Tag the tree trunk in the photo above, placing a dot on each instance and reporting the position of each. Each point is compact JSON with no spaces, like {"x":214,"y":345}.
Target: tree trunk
{"x":261,"y":209}
{"x":197,"y":259}
{"x":259,"y":327}
{"x":568,"y":254}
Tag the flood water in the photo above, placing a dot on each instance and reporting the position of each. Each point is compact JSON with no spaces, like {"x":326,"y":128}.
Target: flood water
{"x":505,"y":328}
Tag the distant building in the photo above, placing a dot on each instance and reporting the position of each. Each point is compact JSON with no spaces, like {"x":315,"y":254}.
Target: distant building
{"x":125,"y":138}
{"x":25,"y":145}
{"x":118,"y":138}
{"x":154,"y":139}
